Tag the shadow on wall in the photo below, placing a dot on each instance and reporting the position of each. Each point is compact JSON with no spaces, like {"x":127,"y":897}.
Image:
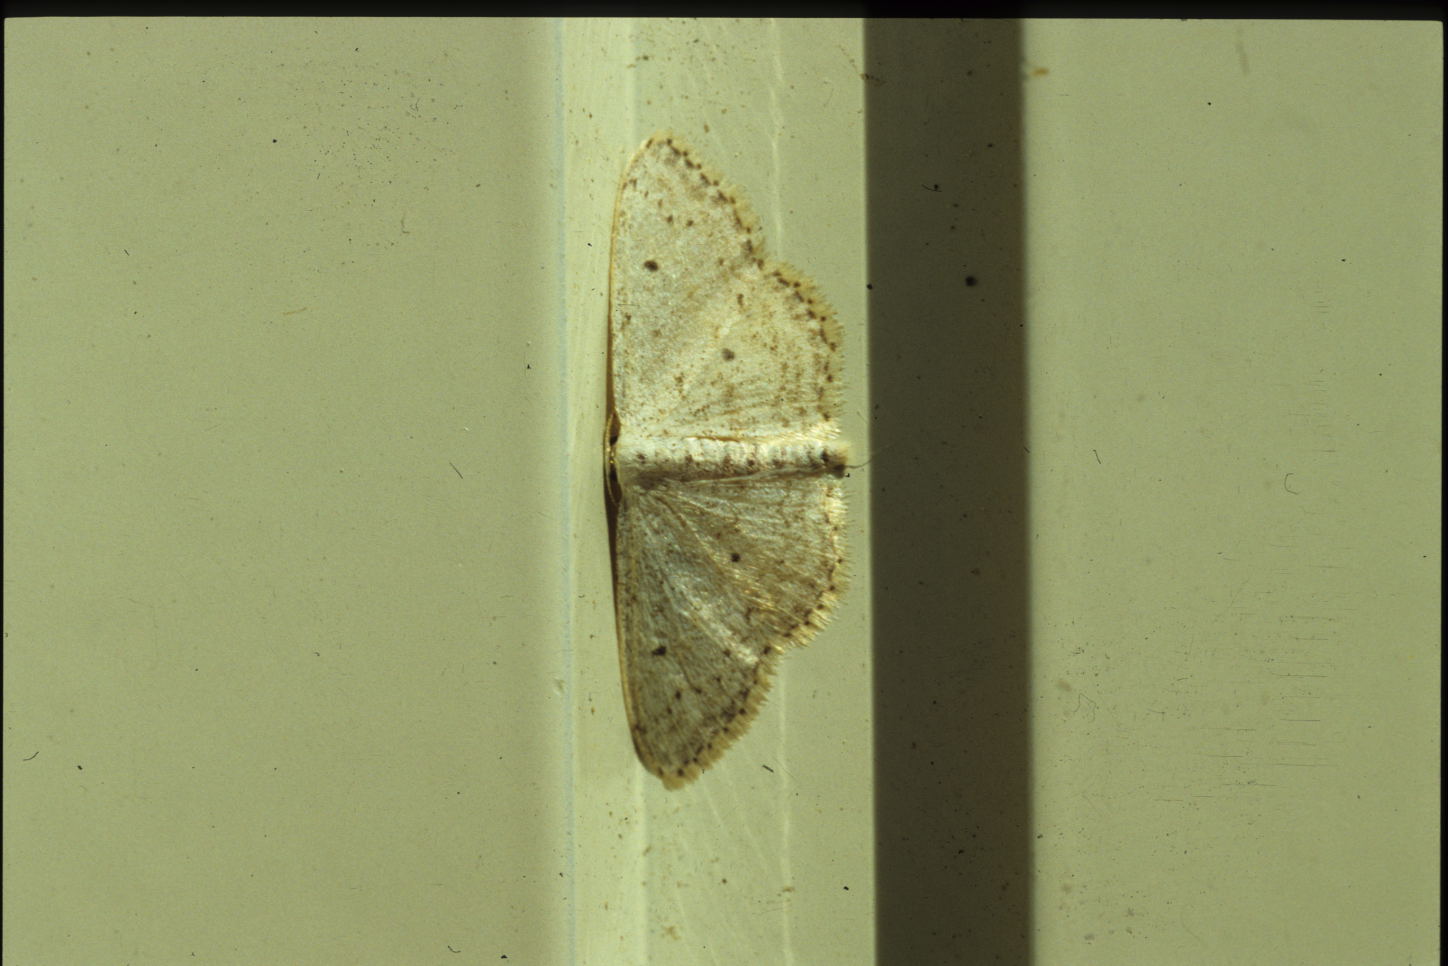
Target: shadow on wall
{"x":950,"y":528}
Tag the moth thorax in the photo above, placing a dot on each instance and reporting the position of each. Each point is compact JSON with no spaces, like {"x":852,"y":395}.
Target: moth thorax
{"x":647,"y":462}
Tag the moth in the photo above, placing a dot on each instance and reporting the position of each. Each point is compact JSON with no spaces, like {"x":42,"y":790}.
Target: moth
{"x":723,"y":463}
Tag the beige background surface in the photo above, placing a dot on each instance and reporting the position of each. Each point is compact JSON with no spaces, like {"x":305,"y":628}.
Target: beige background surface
{"x":308,"y":636}
{"x":283,"y":494}
{"x":1236,"y":440}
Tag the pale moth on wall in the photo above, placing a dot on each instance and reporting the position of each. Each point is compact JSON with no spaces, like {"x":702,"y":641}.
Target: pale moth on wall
{"x":724,"y":463}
